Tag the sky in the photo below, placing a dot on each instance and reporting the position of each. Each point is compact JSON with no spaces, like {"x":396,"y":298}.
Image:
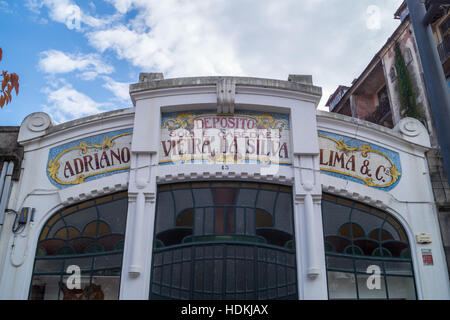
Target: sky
{"x":75,"y":58}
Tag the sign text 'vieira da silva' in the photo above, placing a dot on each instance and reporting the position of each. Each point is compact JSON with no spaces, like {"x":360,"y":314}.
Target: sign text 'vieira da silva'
{"x":243,"y":137}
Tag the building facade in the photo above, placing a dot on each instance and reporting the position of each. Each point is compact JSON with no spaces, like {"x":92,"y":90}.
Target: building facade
{"x":222,"y":188}
{"x":392,"y":87}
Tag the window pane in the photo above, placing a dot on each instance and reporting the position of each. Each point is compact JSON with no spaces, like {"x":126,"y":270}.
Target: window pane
{"x":90,"y":232}
{"x":104,"y":287}
{"x":183,"y":199}
{"x":166,"y":213}
{"x":266,"y":200}
{"x":45,"y":287}
{"x":398,"y":268}
{"x":240,"y":221}
{"x":401,"y":288}
{"x":341,"y":285}
{"x":367,"y":221}
{"x":371,"y":286}
{"x":49,"y":265}
{"x":340,"y":263}
{"x":367,"y":265}
{"x":246,"y":197}
{"x":203,"y":197}
{"x":283,"y":217}
{"x":334,"y":215}
{"x":115,"y":221}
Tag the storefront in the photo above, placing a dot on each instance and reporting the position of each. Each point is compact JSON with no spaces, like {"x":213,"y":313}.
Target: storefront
{"x":223,"y":188}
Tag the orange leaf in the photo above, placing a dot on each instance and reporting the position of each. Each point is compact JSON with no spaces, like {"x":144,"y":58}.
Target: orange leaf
{"x":1,"y":53}
{"x":2,"y":101}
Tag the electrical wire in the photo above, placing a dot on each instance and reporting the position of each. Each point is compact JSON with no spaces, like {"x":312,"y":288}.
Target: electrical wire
{"x":17,"y":227}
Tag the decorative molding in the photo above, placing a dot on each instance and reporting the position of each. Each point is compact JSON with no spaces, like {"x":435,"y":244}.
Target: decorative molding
{"x":84,"y":194}
{"x":392,"y":139}
{"x":154,"y":76}
{"x":414,"y":131}
{"x":364,"y":198}
{"x":189,"y":176}
{"x":150,"y":197}
{"x":300,"y":198}
{"x":409,"y":127}
{"x":132,"y":197}
{"x":40,"y":121}
{"x":305,"y":95}
{"x":34,"y":125}
{"x":226,"y":94}
{"x":141,"y":169}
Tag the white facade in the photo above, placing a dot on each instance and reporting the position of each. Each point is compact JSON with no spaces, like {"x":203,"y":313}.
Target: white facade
{"x":410,"y":200}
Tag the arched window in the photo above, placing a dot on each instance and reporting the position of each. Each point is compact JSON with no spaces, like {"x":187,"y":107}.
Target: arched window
{"x":408,"y":56}
{"x":226,"y":240}
{"x":367,"y":252}
{"x":88,"y":238}
{"x":393,"y":74}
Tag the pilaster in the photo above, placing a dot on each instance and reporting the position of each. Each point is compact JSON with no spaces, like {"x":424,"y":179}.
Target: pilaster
{"x":311,"y":271}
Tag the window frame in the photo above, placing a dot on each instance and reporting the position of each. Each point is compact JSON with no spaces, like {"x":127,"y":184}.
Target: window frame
{"x":257,"y":257}
{"x":353,"y":257}
{"x":91,"y":272}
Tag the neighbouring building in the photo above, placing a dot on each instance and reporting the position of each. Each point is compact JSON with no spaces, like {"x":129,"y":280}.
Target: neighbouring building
{"x":11,"y":154}
{"x":378,"y":95}
{"x":223,"y":188}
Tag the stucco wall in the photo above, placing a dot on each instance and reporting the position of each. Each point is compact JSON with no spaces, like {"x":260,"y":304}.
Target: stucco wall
{"x":411,"y":201}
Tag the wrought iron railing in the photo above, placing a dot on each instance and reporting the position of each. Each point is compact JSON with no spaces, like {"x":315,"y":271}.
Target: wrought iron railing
{"x":382,"y":111}
{"x":444,"y":49}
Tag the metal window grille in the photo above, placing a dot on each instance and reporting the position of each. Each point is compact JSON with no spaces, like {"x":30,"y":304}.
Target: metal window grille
{"x":224,"y":241}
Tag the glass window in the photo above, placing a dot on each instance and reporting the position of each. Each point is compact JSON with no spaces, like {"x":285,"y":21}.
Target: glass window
{"x":393,"y":74}
{"x":408,"y":56}
{"x":85,"y":239}
{"x":367,"y":252}
{"x":229,"y":240}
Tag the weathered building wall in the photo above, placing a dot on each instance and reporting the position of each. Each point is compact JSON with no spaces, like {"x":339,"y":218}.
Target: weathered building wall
{"x":407,"y":42}
{"x":441,"y":192}
{"x":10,"y":150}
{"x":365,"y":105}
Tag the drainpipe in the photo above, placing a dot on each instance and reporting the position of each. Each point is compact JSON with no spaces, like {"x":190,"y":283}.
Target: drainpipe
{"x":5,"y":188}
{"x":2,"y":178}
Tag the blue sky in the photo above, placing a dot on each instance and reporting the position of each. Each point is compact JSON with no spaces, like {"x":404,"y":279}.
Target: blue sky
{"x":75,"y":58}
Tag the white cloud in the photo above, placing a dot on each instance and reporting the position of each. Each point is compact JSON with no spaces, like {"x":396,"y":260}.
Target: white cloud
{"x":119,"y":89}
{"x":5,"y":7}
{"x":261,"y":38}
{"x":122,"y":5}
{"x":90,"y":65}
{"x":373,"y":17}
{"x":327,"y":39}
{"x":66,"y":103}
{"x":179,"y":38}
{"x":67,"y":12}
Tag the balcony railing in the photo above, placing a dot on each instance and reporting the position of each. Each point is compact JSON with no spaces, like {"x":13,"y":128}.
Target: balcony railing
{"x":381,"y":113}
{"x":444,"y":49}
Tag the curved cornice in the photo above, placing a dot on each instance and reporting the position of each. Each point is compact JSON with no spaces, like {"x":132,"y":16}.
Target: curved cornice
{"x":195,"y":83}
